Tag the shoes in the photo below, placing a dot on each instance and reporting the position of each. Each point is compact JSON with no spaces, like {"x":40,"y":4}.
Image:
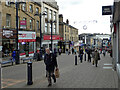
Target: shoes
{"x":54,"y":80}
{"x":49,"y":85}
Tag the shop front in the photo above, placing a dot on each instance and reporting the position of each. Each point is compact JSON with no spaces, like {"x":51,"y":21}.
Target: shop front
{"x":47,"y":41}
{"x":27,"y":43}
{"x":8,"y":42}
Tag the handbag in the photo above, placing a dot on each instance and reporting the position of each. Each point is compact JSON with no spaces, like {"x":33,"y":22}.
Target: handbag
{"x":57,"y":74}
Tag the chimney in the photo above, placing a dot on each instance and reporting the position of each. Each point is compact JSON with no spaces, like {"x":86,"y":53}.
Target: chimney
{"x":67,"y":21}
{"x":60,"y":18}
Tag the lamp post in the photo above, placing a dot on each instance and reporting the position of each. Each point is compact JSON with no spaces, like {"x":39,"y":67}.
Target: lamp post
{"x":40,"y":16}
{"x":17,"y":61}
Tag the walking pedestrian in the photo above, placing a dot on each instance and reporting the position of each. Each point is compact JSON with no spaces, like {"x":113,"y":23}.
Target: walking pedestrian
{"x":13,"y":55}
{"x":104,"y":52}
{"x":97,"y":57}
{"x":81,"y":55}
{"x":89,"y":55}
{"x":72,"y":50}
{"x":50,"y":62}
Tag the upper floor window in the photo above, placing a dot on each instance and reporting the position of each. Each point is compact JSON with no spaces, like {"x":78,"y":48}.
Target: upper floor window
{"x":31,"y":8}
{"x":46,"y":27}
{"x":37,"y":10}
{"x":8,"y":2}
{"x":54,"y":28}
{"x":37,"y":23}
{"x":24,"y":7}
{"x":46,"y":11}
{"x":31,"y":22}
{"x":8,"y":19}
{"x":54,"y":16}
{"x":50,"y":16}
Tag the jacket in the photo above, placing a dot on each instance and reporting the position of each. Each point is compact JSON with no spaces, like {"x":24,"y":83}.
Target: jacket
{"x":50,"y":62}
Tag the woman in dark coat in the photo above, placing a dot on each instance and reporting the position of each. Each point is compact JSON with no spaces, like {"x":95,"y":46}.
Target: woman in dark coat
{"x":50,"y":62}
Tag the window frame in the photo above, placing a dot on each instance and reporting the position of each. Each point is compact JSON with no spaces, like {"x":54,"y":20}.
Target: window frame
{"x":8,"y":20}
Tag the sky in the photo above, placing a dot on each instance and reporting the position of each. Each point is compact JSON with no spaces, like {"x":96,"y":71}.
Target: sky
{"x":86,"y":13}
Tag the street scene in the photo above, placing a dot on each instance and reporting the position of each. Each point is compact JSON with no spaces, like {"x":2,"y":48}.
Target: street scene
{"x":60,"y":44}
{"x":82,"y":75}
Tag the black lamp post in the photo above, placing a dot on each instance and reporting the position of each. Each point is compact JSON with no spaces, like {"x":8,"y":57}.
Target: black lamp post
{"x":40,"y":16}
{"x":17,"y":60}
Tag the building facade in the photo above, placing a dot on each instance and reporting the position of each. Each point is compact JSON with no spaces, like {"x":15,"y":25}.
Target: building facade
{"x":50,"y":23}
{"x":68,"y":34}
{"x":115,"y":30}
{"x":28,"y":28}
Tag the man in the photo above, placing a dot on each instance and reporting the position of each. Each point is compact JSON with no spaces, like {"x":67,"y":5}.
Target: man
{"x":81,"y":54}
{"x":50,"y":62}
{"x":89,"y":55}
{"x":96,"y":57}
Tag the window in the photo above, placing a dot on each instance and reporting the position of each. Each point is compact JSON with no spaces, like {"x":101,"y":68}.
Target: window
{"x":46,"y":12}
{"x":54,"y":28}
{"x":8,"y":2}
{"x":65,"y":28}
{"x":8,"y":18}
{"x":31,"y":8}
{"x":23,"y":26}
{"x":37,"y":10}
{"x":37,"y":23}
{"x":24,"y":7}
{"x":50,"y":27}
{"x":54,"y":17}
{"x":46,"y":27}
{"x":50,"y":14}
{"x":30,"y":24}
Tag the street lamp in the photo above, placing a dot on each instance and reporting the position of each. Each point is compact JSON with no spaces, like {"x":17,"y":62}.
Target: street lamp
{"x":51,"y":22}
{"x":40,"y":16}
{"x":17,"y":60}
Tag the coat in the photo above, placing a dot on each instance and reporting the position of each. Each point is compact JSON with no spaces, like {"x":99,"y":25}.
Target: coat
{"x":50,"y":62}
{"x":96,"y":57}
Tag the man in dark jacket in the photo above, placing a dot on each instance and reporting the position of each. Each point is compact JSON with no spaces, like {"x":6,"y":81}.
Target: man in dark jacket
{"x":50,"y":62}
{"x":81,"y":54}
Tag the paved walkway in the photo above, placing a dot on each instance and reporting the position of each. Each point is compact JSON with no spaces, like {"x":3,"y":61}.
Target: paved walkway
{"x":83,"y":75}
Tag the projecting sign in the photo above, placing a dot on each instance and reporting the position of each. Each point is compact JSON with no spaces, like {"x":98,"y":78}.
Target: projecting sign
{"x":107,"y":10}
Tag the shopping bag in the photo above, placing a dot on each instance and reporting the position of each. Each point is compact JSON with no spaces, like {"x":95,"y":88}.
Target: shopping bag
{"x":57,"y":74}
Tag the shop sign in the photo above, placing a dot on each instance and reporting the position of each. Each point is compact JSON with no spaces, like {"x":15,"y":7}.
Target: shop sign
{"x":23,"y":24}
{"x":107,"y":10}
{"x":9,"y":34}
{"x":54,"y":37}
{"x":61,"y":38}
{"x":25,"y":36}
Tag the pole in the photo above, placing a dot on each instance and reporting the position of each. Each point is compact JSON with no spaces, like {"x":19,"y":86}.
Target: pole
{"x":51,"y":35}
{"x":40,"y":39}
{"x":17,"y":51}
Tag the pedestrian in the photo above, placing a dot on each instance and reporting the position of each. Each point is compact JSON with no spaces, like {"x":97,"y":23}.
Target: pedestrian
{"x":13,"y":55}
{"x":96,"y":57}
{"x":66,"y":51}
{"x":81,"y":55}
{"x":104,"y":52}
{"x":50,"y":62}
{"x":89,"y":55}
{"x":93,"y":56}
{"x":60,"y":51}
{"x":72,"y":50}
{"x":111,"y":52}
{"x":75,"y":51}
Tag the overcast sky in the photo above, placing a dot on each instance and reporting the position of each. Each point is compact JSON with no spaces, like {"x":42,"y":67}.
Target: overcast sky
{"x":86,"y":13}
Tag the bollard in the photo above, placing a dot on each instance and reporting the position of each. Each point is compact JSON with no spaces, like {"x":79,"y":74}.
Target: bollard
{"x":85,"y":56}
{"x":29,"y":66}
{"x":75,"y":59}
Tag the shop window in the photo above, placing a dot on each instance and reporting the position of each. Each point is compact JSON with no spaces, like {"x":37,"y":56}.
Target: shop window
{"x":31,"y":47}
{"x":8,"y":19}
{"x":22,"y":47}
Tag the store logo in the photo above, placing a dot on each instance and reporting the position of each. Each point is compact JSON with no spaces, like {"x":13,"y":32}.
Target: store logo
{"x":7,"y":33}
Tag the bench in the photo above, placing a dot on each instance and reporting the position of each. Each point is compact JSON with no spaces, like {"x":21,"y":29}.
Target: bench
{"x":28,"y":58}
{"x":6,"y":62}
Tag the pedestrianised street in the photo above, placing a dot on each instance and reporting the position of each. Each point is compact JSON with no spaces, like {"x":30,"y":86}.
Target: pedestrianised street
{"x":82,"y":75}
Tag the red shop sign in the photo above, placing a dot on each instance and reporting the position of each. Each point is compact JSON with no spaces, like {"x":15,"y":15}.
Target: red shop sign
{"x":23,"y":22}
{"x":54,"y":37}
